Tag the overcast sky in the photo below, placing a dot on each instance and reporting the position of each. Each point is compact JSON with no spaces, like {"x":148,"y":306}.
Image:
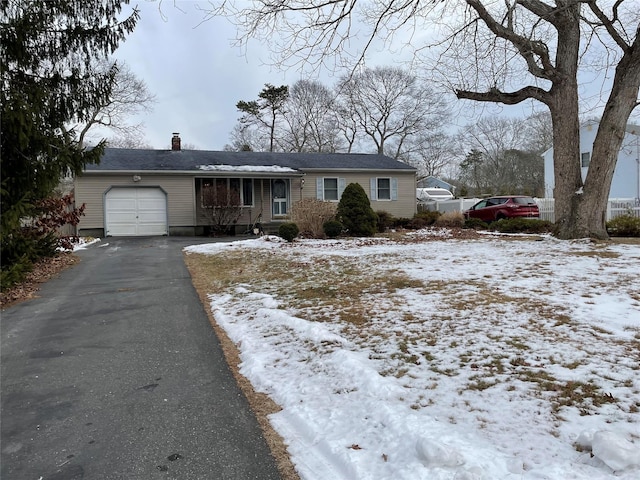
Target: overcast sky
{"x":198,"y":76}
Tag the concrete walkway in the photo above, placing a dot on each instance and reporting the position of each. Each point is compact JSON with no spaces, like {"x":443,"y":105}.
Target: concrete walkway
{"x":115,"y":373}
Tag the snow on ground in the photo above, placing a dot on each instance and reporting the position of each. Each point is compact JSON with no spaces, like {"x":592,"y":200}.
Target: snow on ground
{"x":493,"y":359}
{"x":83,"y":243}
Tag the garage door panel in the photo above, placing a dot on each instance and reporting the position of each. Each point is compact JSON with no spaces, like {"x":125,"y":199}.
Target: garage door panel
{"x":121,"y":204}
{"x":136,"y":211}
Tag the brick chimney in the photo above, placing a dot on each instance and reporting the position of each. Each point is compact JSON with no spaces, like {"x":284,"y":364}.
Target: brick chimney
{"x":175,"y":142}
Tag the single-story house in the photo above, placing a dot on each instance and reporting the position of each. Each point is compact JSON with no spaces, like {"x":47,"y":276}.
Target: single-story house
{"x":626,"y":176}
{"x":165,"y":192}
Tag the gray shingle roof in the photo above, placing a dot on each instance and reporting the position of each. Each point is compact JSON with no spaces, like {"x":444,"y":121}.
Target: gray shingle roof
{"x":123,"y":159}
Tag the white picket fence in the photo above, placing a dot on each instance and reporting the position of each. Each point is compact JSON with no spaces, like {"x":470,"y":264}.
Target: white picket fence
{"x":616,"y":206}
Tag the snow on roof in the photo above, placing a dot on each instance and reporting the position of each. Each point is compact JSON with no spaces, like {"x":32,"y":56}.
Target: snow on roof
{"x":245,"y":168}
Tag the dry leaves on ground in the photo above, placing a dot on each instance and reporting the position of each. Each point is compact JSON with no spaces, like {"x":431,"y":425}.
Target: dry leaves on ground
{"x":43,"y":270}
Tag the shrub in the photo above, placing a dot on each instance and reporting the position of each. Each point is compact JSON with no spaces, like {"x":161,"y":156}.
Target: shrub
{"x":288,"y":231}
{"x":401,"y":222}
{"x":450,"y":220}
{"x":624,"y":226}
{"x":416,"y":223}
{"x":430,"y":216}
{"x":475,"y":224}
{"x":522,"y":225}
{"x":385,"y":220}
{"x":423,"y":219}
{"x":355,"y":212}
{"x":311,"y":214}
{"x":37,"y":237}
{"x":332,"y":228}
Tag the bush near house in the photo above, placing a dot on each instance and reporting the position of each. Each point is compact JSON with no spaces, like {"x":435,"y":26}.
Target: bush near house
{"x":332,"y":228}
{"x":385,"y":221}
{"x":288,"y":231}
{"x":624,"y":226}
{"x":310,"y":215}
{"x":355,"y":212}
{"x":401,"y":222}
{"x":423,"y":219}
{"x":450,"y":220}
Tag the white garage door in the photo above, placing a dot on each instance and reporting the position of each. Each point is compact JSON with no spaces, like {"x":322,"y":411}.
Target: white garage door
{"x":135,"y":211}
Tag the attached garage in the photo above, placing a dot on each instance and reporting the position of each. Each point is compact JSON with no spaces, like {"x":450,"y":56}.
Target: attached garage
{"x":135,"y":211}
{"x":144,"y":192}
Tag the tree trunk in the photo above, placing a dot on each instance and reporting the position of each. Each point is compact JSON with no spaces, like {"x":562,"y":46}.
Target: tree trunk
{"x":608,"y":141}
{"x":563,"y":105}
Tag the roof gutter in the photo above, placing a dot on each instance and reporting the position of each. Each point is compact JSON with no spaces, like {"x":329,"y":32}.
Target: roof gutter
{"x":198,"y":173}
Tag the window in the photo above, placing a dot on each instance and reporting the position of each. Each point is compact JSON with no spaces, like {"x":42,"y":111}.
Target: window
{"x":219,"y":192}
{"x":247,"y":192}
{"x":384,"y":189}
{"x":331,"y":189}
{"x":279,"y":201}
{"x":524,"y":200}
{"x":585,"y":159}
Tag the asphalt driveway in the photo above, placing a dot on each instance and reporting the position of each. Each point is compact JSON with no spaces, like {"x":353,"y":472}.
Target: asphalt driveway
{"x":115,"y":373}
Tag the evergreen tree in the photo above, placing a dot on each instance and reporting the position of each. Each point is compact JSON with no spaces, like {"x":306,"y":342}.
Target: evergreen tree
{"x":355,"y":212}
{"x":47,"y":85}
{"x":271,"y":100}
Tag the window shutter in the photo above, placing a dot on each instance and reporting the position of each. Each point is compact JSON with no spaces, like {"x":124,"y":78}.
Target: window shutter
{"x":341,"y":185}
{"x":394,"y":188}
{"x":320,"y":188}
{"x":374,"y":189}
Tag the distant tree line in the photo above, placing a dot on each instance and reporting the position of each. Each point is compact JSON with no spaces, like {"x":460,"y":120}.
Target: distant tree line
{"x":390,"y":111}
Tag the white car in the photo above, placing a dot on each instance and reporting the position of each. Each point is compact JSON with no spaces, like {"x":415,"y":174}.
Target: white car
{"x":433,"y":194}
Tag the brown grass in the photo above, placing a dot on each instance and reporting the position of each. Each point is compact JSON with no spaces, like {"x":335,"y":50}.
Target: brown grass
{"x":201,"y":267}
{"x":333,"y":288}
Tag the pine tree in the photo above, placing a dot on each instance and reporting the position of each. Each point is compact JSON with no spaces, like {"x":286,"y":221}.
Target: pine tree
{"x":355,"y":212}
{"x":46,"y":50}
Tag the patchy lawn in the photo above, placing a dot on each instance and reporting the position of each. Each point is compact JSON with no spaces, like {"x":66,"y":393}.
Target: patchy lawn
{"x":431,"y":356}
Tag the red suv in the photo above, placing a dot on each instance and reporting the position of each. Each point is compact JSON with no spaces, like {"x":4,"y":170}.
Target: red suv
{"x":496,"y":208}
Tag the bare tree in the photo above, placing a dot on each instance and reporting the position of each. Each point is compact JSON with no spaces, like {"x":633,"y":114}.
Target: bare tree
{"x":129,"y":96}
{"x":543,"y":44}
{"x":311,"y":119}
{"x":391,"y":105}
{"x":431,"y":153}
{"x":538,"y":132}
{"x":347,"y":123}
{"x":246,"y":138}
{"x":504,"y":166}
{"x":131,"y":139}
{"x":503,"y":52}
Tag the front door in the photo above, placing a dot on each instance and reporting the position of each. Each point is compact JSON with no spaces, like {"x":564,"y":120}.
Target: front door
{"x":280,"y":197}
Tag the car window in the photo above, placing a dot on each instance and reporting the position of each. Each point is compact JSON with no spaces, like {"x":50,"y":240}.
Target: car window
{"x":523,"y":200}
{"x":480,"y":204}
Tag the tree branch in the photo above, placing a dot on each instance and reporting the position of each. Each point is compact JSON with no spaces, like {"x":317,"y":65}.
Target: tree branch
{"x":528,"y":49}
{"x":608,"y":24}
{"x":508,"y":98}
